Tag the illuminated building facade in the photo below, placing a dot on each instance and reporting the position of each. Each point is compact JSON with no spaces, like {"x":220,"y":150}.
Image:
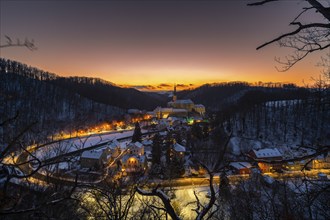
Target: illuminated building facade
{"x":179,"y":107}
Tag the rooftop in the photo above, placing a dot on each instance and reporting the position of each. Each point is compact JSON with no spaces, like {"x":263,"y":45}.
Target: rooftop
{"x":184,"y":101}
{"x":113,"y":144}
{"x":137,"y":144}
{"x":240,"y":165}
{"x":91,"y":154}
{"x":147,"y":142}
{"x":179,"y":148}
{"x":268,"y":152}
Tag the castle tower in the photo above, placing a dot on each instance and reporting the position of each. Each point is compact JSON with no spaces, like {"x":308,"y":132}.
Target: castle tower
{"x":174,"y":94}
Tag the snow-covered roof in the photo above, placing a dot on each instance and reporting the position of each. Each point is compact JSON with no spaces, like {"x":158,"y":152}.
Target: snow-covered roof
{"x":269,"y":179}
{"x":134,"y":111}
{"x":147,"y":142}
{"x":179,"y":110}
{"x":171,"y":118}
{"x":151,"y":113}
{"x":240,"y":165}
{"x":159,"y":109}
{"x":114,"y":144}
{"x":127,"y":156}
{"x":137,"y":144}
{"x":179,"y":148}
{"x":91,"y":154}
{"x":63,"y":165}
{"x":199,"y":106}
{"x":184,"y":101}
{"x":148,"y":154}
{"x":142,"y":158}
{"x":267,"y":152}
{"x":320,"y":157}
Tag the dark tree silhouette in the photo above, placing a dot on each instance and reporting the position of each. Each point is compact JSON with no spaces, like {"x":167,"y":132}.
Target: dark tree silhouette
{"x":156,"y":149}
{"x":308,"y":37}
{"x":168,"y":147}
{"x":137,"y":135}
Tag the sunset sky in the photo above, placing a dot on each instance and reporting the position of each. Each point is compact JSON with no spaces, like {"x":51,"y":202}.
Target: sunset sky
{"x":155,"y":42}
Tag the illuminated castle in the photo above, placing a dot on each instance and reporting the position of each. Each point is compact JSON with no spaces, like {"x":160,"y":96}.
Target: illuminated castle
{"x":179,"y":107}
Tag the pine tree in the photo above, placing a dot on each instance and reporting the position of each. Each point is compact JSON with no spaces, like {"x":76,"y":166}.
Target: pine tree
{"x":156,"y":150}
{"x":137,"y":135}
{"x":168,"y":147}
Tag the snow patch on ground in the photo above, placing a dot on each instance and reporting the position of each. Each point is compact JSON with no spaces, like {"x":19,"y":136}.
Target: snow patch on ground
{"x":240,"y":146}
{"x":234,"y":145}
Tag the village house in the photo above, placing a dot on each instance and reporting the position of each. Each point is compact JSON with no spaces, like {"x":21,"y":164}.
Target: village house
{"x":321,"y":162}
{"x":147,"y":143}
{"x":178,"y":151}
{"x":294,"y":165}
{"x":147,"y":148}
{"x":241,"y":167}
{"x":264,"y":156}
{"x":113,"y":150}
{"x":133,"y":163}
{"x":136,"y":148}
{"x":199,"y":108}
{"x":92,"y":159}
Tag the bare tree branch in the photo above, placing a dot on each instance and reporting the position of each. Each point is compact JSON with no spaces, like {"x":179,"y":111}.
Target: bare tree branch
{"x":300,"y":28}
{"x":320,"y":8}
{"x":306,"y":38}
{"x":29,"y":44}
{"x":165,"y":199}
{"x":210,"y":204}
{"x":15,"y":140}
{"x":9,"y":120}
{"x":261,"y":2}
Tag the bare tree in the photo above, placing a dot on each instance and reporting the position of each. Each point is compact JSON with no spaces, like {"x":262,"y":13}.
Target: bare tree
{"x":308,"y":37}
{"x":21,"y":195}
{"x":29,"y":44}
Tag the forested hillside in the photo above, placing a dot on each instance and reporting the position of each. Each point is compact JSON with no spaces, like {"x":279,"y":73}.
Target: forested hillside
{"x":286,"y":124}
{"x":105,"y":92}
{"x":29,"y":98}
{"x":92,"y":88}
{"x":219,"y":96}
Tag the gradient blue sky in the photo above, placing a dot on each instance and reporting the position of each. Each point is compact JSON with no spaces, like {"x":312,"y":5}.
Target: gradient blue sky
{"x":154,"y":42}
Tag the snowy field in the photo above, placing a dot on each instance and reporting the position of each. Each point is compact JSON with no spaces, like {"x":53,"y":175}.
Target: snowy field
{"x":75,"y":144}
{"x":183,"y":200}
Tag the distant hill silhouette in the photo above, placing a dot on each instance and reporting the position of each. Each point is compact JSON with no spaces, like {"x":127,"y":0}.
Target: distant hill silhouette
{"x":218,"y":96}
{"x":92,"y":88}
{"x":103,"y":92}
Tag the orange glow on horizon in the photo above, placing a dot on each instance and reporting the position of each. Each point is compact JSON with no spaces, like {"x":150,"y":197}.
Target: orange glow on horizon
{"x":189,"y":76}
{"x":139,"y":45}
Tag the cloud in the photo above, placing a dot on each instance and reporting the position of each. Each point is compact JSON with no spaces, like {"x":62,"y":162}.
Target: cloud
{"x":161,"y":87}
{"x":144,"y":87}
{"x":165,"y":85}
{"x":182,"y":86}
